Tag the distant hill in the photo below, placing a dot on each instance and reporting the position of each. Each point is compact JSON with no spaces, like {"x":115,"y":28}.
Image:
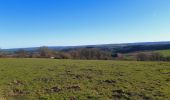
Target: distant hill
{"x":122,"y":48}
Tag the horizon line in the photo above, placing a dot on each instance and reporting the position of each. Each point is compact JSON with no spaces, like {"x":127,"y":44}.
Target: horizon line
{"x":83,"y":45}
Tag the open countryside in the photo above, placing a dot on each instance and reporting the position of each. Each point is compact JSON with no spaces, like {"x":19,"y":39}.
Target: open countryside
{"x":50,"y":79}
{"x":84,"y":49}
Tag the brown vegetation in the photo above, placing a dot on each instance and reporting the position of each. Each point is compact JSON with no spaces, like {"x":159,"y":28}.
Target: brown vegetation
{"x":84,"y":53}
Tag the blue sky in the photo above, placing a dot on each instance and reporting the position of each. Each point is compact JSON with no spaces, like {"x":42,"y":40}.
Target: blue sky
{"x":31,"y":23}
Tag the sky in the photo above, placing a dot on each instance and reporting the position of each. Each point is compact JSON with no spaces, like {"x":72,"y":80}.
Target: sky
{"x":32,"y":23}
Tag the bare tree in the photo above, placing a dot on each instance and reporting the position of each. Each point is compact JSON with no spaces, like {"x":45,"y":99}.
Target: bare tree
{"x":45,"y":52}
{"x":22,"y":53}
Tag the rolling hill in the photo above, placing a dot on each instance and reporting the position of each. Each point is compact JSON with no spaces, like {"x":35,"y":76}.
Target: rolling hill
{"x":122,"y":48}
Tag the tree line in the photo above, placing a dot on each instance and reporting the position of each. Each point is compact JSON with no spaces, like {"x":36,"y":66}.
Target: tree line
{"x":152,"y":56}
{"x":45,"y":52}
{"x":83,"y":53}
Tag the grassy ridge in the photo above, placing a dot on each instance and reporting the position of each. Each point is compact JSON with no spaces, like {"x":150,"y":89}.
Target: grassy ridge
{"x":48,"y":79}
{"x":165,"y":53}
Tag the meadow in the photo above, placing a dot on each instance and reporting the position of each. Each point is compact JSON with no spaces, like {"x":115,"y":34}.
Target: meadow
{"x":165,"y":53}
{"x":51,"y":79}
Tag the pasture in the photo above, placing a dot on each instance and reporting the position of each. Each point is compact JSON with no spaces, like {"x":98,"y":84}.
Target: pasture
{"x":50,"y":79}
{"x":165,"y":53}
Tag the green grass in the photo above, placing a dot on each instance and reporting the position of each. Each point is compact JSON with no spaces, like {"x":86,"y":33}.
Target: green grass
{"x":49,"y":79}
{"x":165,"y":53}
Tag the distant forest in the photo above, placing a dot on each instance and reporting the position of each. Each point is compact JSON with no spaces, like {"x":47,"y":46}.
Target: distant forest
{"x":102,"y":52}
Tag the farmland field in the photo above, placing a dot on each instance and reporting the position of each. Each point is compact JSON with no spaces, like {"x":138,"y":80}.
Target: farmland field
{"x":165,"y":53}
{"x":50,"y":79}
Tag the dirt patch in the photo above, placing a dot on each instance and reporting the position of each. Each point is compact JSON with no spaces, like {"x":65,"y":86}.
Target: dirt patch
{"x":17,"y":92}
{"x":109,"y":81}
{"x":73,"y":98}
{"x":75,"y":88}
{"x":55,"y":89}
{"x":16,"y":82}
{"x":121,"y":94}
{"x":78,"y":76}
{"x":125,"y":95}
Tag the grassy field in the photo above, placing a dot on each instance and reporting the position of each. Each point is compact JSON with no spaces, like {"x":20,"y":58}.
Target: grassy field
{"x":165,"y":53}
{"x":49,"y":79}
